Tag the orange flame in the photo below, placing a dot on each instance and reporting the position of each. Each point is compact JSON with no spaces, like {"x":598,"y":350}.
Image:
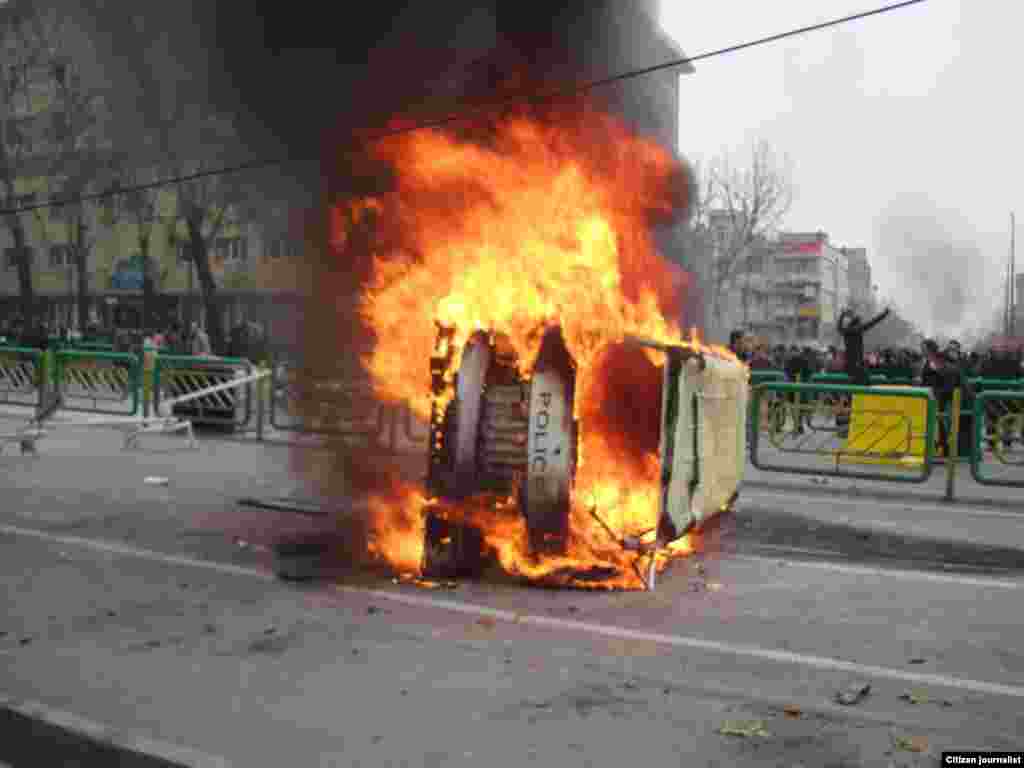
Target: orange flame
{"x":539,"y":224}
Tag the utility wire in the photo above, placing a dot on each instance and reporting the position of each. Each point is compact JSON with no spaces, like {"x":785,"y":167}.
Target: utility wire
{"x":538,"y":97}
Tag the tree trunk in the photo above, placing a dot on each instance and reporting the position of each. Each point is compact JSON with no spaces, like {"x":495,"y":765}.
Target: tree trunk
{"x":24,"y":267}
{"x":207,"y":286}
{"x":148,"y":284}
{"x":82,"y":276}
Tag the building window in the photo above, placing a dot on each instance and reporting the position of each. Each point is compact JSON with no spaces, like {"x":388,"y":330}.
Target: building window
{"x":60,"y":256}
{"x":282,"y":248}
{"x":17,"y":133}
{"x":20,"y":201}
{"x":60,"y":126}
{"x":10,"y":257}
{"x":232,"y":249}
{"x":58,"y":212}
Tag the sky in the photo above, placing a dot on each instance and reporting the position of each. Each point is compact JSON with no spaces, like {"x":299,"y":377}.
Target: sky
{"x":903,"y":132}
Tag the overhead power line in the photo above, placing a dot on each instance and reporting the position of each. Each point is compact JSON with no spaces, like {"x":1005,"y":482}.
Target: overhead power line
{"x":540,"y":96}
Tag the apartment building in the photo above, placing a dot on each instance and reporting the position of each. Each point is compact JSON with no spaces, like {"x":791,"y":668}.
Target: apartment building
{"x":810,"y":286}
{"x":862,"y":294}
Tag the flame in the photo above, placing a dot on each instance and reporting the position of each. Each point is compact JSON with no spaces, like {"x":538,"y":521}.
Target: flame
{"x":540,"y":223}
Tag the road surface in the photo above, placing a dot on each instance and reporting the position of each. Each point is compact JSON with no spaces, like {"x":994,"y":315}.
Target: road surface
{"x":133,"y":614}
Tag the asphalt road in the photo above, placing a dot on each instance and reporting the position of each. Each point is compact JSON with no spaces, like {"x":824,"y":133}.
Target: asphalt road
{"x":222,"y":661}
{"x":147,"y":615}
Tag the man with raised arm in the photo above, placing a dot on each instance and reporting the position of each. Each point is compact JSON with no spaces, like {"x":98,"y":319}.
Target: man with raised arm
{"x":853,"y":328}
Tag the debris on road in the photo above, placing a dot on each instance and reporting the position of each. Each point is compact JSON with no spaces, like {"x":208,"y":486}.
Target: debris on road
{"x":422,"y":583}
{"x":154,"y":480}
{"x":853,"y":693}
{"x":911,"y":743}
{"x":486,"y":622}
{"x":744,"y":728}
{"x":917,"y":660}
{"x":915,"y":697}
{"x":25,"y":641}
{"x":792,"y":710}
{"x":285,"y":504}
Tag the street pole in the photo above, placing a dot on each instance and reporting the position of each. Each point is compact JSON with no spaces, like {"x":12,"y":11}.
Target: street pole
{"x":1013,"y":276}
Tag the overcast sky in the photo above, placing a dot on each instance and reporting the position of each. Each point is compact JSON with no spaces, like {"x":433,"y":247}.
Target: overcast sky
{"x":903,"y":129}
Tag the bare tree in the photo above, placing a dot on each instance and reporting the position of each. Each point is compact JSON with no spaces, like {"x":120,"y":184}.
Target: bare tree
{"x":166,"y":127}
{"x":738,"y":205}
{"x":82,"y":164}
{"x":202,"y":143}
{"x":23,"y":45}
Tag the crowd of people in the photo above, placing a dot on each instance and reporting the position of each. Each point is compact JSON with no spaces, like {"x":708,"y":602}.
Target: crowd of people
{"x":943,"y":369}
{"x":246,"y":339}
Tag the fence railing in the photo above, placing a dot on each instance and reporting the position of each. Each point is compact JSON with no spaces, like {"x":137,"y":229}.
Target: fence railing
{"x":22,"y":376}
{"x":998,"y":433}
{"x":175,"y":376}
{"x":338,"y":406}
{"x":99,"y":382}
{"x":826,"y":429}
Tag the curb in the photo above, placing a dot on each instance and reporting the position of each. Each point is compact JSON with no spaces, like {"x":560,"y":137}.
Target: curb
{"x":776,"y":528}
{"x":36,"y":734}
{"x":929,"y":495}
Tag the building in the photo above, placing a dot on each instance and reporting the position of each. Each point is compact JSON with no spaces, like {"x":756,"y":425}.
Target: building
{"x":255,"y":261}
{"x":810,"y":286}
{"x":862,"y":294}
{"x":1018,"y":305}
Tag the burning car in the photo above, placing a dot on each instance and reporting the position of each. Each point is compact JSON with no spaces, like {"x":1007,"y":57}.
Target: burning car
{"x":569,"y":415}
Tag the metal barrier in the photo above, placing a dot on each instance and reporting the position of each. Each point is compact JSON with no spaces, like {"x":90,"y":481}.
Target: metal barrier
{"x":757,"y":378}
{"x":22,"y":376}
{"x":176,"y":376}
{"x":98,"y":382}
{"x":841,"y":379}
{"x":763,"y":375}
{"x":86,"y":346}
{"x":999,"y":428}
{"x":883,"y":430}
{"x":342,"y":406}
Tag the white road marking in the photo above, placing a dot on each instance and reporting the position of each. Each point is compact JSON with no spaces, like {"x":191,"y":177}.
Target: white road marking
{"x":106,"y":734}
{"x":863,"y":570}
{"x":713,"y":646}
{"x":961,"y":509}
{"x":620,"y":633}
{"x":117,"y":548}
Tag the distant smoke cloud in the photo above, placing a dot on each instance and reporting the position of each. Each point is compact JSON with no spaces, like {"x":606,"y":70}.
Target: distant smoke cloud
{"x":936,"y":261}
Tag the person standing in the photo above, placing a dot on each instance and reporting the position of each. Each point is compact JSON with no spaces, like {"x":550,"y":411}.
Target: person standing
{"x":200,"y":341}
{"x":736,"y":346}
{"x":799,"y":368}
{"x":853,"y":328}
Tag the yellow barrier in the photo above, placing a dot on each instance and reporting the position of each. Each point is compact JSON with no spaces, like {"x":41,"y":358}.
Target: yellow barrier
{"x":881,"y":425}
